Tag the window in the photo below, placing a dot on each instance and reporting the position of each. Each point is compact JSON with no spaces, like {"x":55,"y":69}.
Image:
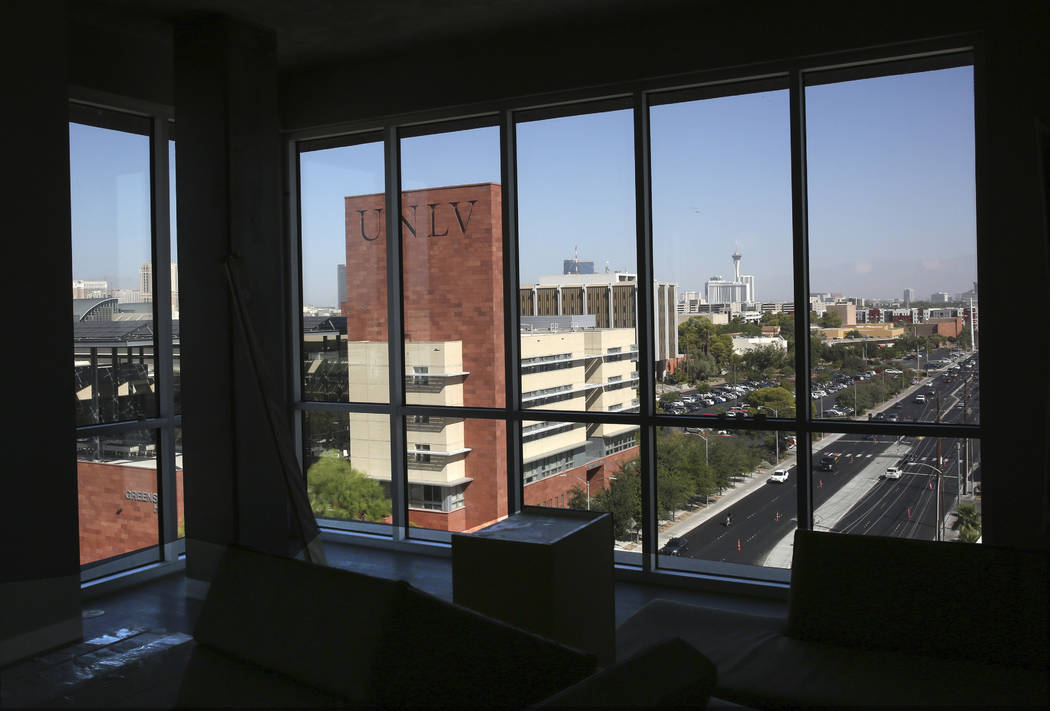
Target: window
{"x":561,"y":264}
{"x":125,"y":340}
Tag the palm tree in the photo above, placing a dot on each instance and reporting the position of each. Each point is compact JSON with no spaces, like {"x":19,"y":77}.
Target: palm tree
{"x":967,"y":522}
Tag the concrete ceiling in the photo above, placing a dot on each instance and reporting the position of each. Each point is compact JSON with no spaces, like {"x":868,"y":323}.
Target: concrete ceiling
{"x":317,"y":31}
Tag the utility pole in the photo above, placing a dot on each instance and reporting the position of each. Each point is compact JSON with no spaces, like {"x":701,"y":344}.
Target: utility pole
{"x":939,"y":536}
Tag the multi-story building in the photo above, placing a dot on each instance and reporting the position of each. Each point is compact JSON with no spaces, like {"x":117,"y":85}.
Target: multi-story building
{"x":84,"y":289}
{"x":847,"y":313}
{"x":454,"y":357}
{"x":612,"y":298}
{"x":909,"y":295}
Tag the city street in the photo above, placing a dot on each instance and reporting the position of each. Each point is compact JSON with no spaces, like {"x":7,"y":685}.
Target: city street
{"x":856,"y":497}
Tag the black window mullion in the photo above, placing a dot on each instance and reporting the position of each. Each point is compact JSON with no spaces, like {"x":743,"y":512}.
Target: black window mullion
{"x":644,"y":325}
{"x":800,"y":238}
{"x":167,"y":516}
{"x":395,"y":333}
{"x":511,"y":330}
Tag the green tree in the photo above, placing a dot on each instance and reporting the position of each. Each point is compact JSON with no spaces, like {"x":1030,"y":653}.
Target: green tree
{"x":623,"y":499}
{"x":967,"y":522}
{"x":854,"y":334}
{"x":721,"y":349}
{"x":337,"y":490}
{"x":780,"y":399}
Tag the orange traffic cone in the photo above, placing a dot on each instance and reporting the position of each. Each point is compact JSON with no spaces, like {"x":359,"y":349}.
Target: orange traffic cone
{"x":931,"y":484}
{"x":909,"y":512}
{"x":778,"y":515}
{"x":821,"y":484}
{"x":738,"y":544}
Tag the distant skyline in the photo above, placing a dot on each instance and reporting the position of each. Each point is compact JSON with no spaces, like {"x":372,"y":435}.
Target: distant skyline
{"x":890,"y":185}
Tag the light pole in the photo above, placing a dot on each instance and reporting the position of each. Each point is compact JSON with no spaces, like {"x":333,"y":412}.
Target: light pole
{"x":776,"y":434}
{"x":587,"y":483}
{"x":940,"y":517}
{"x":707,"y":461}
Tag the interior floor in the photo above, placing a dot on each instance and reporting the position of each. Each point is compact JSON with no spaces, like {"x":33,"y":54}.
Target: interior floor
{"x":124,"y":630}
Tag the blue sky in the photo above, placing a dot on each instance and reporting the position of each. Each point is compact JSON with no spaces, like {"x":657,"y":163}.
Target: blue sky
{"x":891,"y":190}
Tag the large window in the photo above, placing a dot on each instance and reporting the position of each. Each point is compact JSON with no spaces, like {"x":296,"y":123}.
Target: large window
{"x":720,"y":311}
{"x":125,"y":340}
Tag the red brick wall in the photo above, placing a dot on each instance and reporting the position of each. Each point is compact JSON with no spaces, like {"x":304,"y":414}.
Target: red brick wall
{"x":453,"y":291}
{"x":111,"y":523}
{"x":453,"y":277}
{"x":549,"y":491}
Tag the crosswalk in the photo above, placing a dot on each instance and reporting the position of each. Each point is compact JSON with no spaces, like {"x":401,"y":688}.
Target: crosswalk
{"x":869,"y":456}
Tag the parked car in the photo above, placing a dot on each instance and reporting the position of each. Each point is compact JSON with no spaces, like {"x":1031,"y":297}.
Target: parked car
{"x":675,"y":546}
{"x":779,"y":476}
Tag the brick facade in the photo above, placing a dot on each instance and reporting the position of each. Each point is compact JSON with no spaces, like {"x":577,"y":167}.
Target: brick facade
{"x":114,"y":517}
{"x":556,"y":491}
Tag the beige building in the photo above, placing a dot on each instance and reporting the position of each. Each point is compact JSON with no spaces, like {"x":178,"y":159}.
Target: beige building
{"x":871,"y":330}
{"x":571,"y":369}
{"x":847,"y":313}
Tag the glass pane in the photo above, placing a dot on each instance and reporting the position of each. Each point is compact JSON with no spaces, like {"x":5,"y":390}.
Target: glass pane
{"x":457,"y":472}
{"x":452,"y":232}
{"x":344,"y":274}
{"x":722,"y":237}
{"x":180,"y":506}
{"x":585,"y":466}
{"x":579,"y":289}
{"x":117,"y":494}
{"x":347,"y":460}
{"x":882,"y":485}
{"x":112,"y":275}
{"x":725,"y":495}
{"x":176,"y":379}
{"x":893,"y":246}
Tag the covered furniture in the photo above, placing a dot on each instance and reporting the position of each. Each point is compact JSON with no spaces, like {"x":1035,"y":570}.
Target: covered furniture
{"x":277,"y":632}
{"x":877,"y":622}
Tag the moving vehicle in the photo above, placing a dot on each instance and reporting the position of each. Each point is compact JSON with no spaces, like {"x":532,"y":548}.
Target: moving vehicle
{"x":779,"y":476}
{"x":893,"y":473}
{"x":827,"y":462}
{"x":675,"y":546}
{"x":920,"y":399}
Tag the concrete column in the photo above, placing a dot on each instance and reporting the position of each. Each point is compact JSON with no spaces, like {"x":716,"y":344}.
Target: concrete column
{"x":40,"y":569}
{"x":230,"y":202}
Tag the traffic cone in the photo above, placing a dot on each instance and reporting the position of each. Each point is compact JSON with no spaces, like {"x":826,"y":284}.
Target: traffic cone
{"x":821,"y":484}
{"x":738,"y":544}
{"x":909,"y":512}
{"x":931,"y":484}
{"x":778,"y":515}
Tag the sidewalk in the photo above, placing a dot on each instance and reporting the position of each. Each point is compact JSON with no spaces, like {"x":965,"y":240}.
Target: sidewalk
{"x":843,"y":500}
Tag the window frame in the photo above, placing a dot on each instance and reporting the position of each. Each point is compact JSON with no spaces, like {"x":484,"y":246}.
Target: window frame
{"x":94,"y":108}
{"x":795,"y":75}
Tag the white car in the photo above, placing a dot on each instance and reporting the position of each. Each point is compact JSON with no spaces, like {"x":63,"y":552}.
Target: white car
{"x":893,"y":472}
{"x":779,"y":476}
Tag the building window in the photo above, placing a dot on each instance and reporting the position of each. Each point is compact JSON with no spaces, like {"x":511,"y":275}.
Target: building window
{"x":779,"y":351}
{"x":125,"y":340}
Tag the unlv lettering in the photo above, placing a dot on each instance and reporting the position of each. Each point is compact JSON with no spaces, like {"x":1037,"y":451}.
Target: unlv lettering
{"x":379,"y":222}
{"x":410,"y":223}
{"x":459,"y":218}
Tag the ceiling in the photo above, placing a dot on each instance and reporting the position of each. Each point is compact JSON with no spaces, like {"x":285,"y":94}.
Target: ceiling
{"x":317,"y":31}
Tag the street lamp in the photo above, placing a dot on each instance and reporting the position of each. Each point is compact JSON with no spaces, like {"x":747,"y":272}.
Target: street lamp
{"x":707,"y":461}
{"x":586,"y":482}
{"x":776,"y":434}
{"x":940,"y":516}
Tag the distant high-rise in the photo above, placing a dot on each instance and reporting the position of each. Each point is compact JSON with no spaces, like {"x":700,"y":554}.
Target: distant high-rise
{"x":741,"y":290}
{"x":577,"y":266}
{"x":146,"y":284}
{"x":146,"y":281}
{"x":909,"y":295}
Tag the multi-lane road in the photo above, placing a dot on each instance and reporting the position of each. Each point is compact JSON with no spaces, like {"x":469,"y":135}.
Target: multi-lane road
{"x":856,"y":496}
